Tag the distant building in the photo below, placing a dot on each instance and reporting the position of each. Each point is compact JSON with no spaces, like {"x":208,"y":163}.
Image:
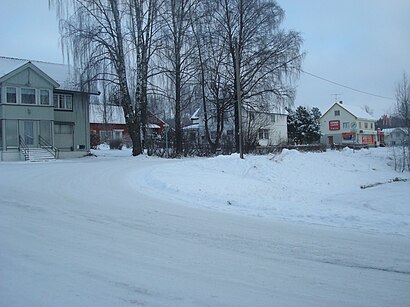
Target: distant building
{"x":43,"y":111}
{"x":344,"y":124}
{"x":108,"y":123}
{"x":265,"y":128}
{"x":396,"y":136}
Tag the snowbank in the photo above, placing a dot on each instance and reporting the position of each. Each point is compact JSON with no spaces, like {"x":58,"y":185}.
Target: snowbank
{"x":319,"y":188}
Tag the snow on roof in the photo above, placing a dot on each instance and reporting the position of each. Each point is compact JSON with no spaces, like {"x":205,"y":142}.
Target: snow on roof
{"x":354,"y":110}
{"x":191,"y":127}
{"x":64,"y":75}
{"x":114,"y":114}
{"x":358,"y":112}
{"x":195,"y":115}
{"x":388,"y":131}
{"x":271,"y":109}
{"x":153,"y":126}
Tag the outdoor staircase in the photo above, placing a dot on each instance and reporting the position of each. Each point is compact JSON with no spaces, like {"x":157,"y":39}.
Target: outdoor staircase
{"x":45,"y":152}
{"x":38,"y":154}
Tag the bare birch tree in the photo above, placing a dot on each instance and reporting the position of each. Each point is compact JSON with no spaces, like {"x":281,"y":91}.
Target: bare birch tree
{"x":145,"y":29}
{"x":93,"y":32}
{"x":403,"y":112}
{"x":269,"y":57}
{"x":211,"y":75}
{"x":177,"y":58}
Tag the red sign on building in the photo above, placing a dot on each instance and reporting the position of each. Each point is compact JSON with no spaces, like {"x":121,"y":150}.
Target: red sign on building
{"x":334,"y":124}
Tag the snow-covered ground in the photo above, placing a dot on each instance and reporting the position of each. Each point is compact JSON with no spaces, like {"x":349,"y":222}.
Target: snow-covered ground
{"x":288,"y":230}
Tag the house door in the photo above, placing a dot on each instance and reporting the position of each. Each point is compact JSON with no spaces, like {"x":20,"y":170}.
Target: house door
{"x":330,"y":140}
{"x":29,"y":133}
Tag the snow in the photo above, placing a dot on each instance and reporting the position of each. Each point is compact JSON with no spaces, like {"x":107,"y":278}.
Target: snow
{"x":354,"y":110}
{"x":289,"y":230}
{"x":303,"y":187}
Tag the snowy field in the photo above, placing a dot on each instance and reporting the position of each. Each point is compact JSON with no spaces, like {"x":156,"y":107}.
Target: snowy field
{"x":293,"y":229}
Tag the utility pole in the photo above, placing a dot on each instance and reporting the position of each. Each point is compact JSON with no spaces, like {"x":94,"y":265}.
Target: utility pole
{"x":238,"y":95}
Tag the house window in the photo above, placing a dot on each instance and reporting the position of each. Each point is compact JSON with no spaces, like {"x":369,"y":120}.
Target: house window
{"x":366,"y":125}
{"x":63,"y":102}
{"x":28,"y":96}
{"x":63,"y":129}
{"x":272,"y":118}
{"x":346,"y":125}
{"x":11,"y":95}
{"x":371,"y":126}
{"x":337,"y":113}
{"x":117,"y":134}
{"x":263,"y":134}
{"x":44,"y":97}
{"x":360,"y":125}
{"x":105,"y":135}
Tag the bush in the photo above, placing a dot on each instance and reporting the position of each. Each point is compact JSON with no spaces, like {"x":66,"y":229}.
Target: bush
{"x":94,"y":140}
{"x":116,"y":144}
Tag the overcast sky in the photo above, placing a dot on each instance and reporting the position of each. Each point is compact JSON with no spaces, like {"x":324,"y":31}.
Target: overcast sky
{"x":362,"y":44}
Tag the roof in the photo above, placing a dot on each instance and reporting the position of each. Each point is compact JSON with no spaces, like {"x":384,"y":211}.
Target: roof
{"x":196,"y":114}
{"x":272,"y":109}
{"x":114,"y":114}
{"x":355,"y":111}
{"x":387,"y":131}
{"x":191,"y":127}
{"x":62,"y":74}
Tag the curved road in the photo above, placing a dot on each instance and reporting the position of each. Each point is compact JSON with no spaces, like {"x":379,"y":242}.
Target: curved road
{"x":81,"y":233}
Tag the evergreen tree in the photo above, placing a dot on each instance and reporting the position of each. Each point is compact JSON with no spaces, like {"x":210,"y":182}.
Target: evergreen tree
{"x":304,"y":125}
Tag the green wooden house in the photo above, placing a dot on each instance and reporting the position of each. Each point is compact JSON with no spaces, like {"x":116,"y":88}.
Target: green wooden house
{"x":43,"y":111}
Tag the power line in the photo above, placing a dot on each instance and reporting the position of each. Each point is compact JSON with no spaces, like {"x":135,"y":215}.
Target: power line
{"x":345,"y":86}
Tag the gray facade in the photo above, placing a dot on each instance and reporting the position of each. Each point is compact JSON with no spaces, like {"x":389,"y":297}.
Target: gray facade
{"x":41,"y":110}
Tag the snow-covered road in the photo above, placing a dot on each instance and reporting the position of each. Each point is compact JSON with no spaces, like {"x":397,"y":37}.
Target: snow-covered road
{"x":80,"y":233}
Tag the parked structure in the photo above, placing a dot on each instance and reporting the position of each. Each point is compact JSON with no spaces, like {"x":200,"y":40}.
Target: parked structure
{"x":43,"y":111}
{"x":343,"y":124}
{"x":396,"y":136}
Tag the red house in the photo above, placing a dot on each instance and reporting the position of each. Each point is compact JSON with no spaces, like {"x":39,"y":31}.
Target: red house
{"x":108,"y":123}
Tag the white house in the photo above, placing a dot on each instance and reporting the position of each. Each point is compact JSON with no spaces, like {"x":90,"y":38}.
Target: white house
{"x":396,"y":136}
{"x":270,"y":128}
{"x":344,"y":124}
{"x":266,"y":128}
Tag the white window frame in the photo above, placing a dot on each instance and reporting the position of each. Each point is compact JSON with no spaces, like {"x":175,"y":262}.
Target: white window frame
{"x":41,"y":91}
{"x":63,"y":103}
{"x":30,"y":89}
{"x":263,"y":134}
{"x":273,"y":118}
{"x":346,"y":125}
{"x":337,"y":112}
{"x":15,"y":93}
